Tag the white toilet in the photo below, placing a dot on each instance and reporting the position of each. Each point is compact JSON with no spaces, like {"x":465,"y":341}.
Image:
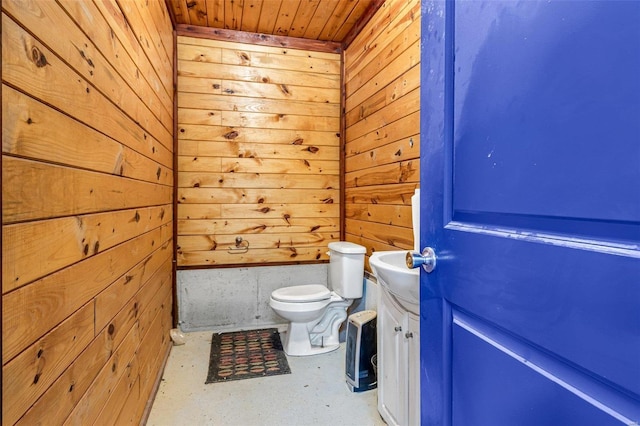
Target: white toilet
{"x":314,"y":311}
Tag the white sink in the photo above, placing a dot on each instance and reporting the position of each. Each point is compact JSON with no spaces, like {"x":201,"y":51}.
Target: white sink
{"x":392,"y":272}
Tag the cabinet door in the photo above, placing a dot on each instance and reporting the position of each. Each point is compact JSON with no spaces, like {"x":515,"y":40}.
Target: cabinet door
{"x":413,"y":346}
{"x":392,"y":363}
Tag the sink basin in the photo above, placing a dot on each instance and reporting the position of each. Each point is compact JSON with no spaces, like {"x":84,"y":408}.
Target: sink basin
{"x":391,"y":270}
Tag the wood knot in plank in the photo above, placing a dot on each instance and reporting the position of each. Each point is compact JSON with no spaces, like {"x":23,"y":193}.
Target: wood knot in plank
{"x":86,"y":58}
{"x":232,"y":168}
{"x":298,"y":141}
{"x":406,"y":171}
{"x":38,"y":57}
{"x":264,"y":210}
{"x":231,"y":135}
{"x":284,"y":89}
{"x":313,"y":149}
{"x":327,"y":200}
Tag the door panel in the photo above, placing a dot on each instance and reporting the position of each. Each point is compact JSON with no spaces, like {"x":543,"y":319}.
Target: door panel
{"x":526,"y":397}
{"x":531,"y":198}
{"x":534,"y":83}
{"x":569,"y":306}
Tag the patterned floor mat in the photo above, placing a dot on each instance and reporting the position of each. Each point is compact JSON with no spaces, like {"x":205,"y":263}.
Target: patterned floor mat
{"x":246,"y":354}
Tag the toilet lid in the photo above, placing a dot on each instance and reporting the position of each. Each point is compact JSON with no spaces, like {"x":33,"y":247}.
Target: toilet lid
{"x":302,"y":293}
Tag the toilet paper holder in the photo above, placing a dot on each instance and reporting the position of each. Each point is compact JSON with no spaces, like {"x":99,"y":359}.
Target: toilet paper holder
{"x":242,"y":246}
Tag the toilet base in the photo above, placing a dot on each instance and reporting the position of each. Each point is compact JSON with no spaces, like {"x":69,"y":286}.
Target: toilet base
{"x":297,"y":343}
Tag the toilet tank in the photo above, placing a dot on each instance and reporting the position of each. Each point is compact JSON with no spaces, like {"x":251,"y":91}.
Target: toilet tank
{"x":346,"y":269}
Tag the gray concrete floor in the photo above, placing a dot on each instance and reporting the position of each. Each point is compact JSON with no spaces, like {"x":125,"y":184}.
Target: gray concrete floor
{"x":315,"y":393}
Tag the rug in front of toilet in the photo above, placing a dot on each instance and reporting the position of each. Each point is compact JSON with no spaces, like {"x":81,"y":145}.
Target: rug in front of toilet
{"x":246,"y":354}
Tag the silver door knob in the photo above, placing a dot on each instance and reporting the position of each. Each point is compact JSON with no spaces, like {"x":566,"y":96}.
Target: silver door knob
{"x":427,"y":259}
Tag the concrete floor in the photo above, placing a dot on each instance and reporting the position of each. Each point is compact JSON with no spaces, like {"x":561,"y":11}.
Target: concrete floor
{"x":315,"y":393}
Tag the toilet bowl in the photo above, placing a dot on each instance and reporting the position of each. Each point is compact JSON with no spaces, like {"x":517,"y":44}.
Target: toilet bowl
{"x":315,"y":312}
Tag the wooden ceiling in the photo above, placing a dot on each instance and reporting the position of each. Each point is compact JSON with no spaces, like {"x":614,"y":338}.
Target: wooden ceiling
{"x":323,"y":20}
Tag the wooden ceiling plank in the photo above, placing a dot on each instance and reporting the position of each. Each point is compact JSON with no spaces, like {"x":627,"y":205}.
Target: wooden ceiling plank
{"x":197,"y":12}
{"x":357,"y":12}
{"x":233,"y":11}
{"x":320,"y":17}
{"x":303,"y":17}
{"x":268,"y":17}
{"x":180,"y":11}
{"x":327,"y":20}
{"x":215,"y":13}
{"x":288,"y":11}
{"x":251,"y":15}
{"x":337,"y":18}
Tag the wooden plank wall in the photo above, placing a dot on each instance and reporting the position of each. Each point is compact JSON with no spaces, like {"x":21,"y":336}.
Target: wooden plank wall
{"x":258,"y":153}
{"x":382,"y":147}
{"x":87,"y":190}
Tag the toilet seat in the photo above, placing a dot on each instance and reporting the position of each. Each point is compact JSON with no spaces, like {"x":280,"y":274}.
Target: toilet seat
{"x":302,"y":293}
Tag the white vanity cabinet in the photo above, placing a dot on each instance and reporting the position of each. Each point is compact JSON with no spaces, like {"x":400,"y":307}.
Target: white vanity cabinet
{"x":398,"y":362}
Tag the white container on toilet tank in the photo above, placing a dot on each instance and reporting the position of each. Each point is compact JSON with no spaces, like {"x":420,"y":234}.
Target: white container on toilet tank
{"x":316,"y":312}
{"x":415,"y":219}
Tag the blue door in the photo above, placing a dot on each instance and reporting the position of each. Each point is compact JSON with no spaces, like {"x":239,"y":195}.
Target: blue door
{"x":530,"y":182}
